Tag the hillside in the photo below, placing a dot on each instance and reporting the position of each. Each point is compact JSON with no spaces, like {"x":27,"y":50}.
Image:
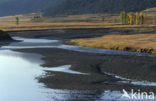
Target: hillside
{"x":69,"y":7}
{"x":12,"y":7}
{"x":4,"y":36}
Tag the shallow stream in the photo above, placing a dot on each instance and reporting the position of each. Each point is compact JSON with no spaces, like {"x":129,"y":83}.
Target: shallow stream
{"x":18,"y":72}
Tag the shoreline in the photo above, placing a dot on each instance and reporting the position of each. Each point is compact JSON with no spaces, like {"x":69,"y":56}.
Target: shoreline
{"x":109,"y":31}
{"x":128,"y":49}
{"x":132,"y":43}
{"x":124,"y":66}
{"x":96,"y":80}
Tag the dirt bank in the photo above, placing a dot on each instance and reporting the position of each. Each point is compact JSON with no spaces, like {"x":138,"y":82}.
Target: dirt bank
{"x":133,"y":67}
{"x":94,"y":65}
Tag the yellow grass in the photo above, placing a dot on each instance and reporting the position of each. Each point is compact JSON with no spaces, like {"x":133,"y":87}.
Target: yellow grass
{"x":122,"y":42}
{"x":139,"y":42}
{"x":8,"y":23}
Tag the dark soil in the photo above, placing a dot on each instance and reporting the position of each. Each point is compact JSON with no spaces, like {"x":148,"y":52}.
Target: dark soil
{"x":94,"y":65}
{"x":133,"y":67}
{"x":4,"y":36}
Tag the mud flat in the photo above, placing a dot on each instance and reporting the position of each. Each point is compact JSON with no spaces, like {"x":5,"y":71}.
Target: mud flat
{"x":133,"y":67}
{"x":92,"y":71}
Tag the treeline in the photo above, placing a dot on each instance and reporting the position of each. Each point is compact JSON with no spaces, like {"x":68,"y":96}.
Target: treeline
{"x":132,"y":18}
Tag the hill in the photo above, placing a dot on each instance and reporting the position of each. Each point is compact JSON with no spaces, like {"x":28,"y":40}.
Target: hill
{"x":70,"y":7}
{"x":12,"y":7}
{"x":4,"y":36}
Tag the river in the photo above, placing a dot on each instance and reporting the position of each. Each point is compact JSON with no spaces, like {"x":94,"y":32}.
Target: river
{"x":18,"y":72}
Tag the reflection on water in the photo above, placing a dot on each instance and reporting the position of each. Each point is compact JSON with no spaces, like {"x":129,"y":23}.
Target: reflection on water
{"x":34,"y":40}
{"x":17,"y":78}
{"x":19,"y":70}
{"x":18,"y":83}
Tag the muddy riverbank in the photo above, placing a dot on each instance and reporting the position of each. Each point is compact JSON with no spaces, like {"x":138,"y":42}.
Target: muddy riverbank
{"x":94,"y":65}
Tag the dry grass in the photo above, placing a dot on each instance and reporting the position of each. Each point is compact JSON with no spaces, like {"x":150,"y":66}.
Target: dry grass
{"x":151,"y":15}
{"x":123,"y":42}
{"x":8,"y":23}
{"x":139,"y":42}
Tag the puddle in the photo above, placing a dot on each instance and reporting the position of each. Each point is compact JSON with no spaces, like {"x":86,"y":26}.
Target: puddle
{"x":65,"y":69}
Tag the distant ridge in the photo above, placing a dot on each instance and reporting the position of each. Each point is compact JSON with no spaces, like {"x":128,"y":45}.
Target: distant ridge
{"x":71,"y":7}
{"x":13,"y":7}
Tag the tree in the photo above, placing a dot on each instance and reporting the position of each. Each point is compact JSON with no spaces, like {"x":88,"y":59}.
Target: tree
{"x":123,"y":17}
{"x":137,"y":18}
{"x":141,"y":18}
{"x":17,"y":20}
{"x":131,"y":17}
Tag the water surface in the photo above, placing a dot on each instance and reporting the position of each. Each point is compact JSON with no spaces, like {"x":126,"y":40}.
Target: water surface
{"x":18,"y":72}
{"x":18,"y":77}
{"x":45,"y":43}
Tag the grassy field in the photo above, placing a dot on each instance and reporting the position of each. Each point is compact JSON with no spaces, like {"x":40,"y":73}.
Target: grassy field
{"x":8,"y":23}
{"x":139,"y":42}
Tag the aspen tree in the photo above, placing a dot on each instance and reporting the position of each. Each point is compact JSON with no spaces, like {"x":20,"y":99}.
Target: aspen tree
{"x":123,"y":17}
{"x":131,"y":18}
{"x":141,"y":18}
{"x":137,"y":18}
